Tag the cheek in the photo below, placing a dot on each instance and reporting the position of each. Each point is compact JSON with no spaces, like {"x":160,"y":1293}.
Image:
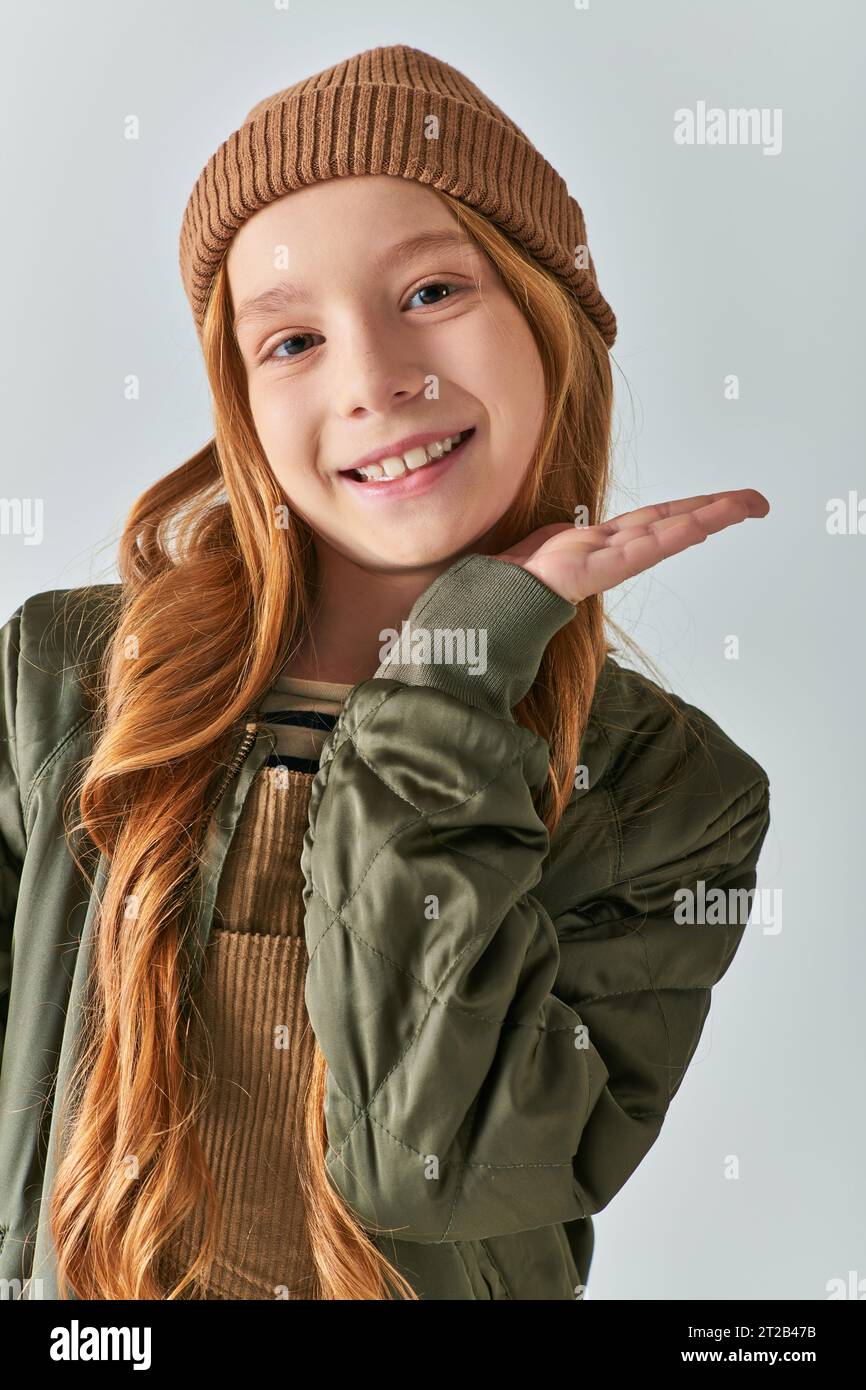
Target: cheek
{"x":510,"y":371}
{"x":268,"y":409}
{"x":524,"y":370}
{"x":281,"y":434}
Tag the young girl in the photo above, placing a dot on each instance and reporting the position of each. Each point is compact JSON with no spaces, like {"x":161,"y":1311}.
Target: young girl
{"x":387,"y":924}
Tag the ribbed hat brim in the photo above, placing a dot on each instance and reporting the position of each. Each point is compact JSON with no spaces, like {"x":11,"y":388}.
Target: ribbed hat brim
{"x":370,"y":115}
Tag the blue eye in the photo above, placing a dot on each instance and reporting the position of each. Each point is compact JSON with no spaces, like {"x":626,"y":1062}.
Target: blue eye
{"x":435,"y":285}
{"x":296,"y":337}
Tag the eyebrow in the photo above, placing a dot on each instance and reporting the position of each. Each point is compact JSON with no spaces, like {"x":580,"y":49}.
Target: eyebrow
{"x":275,"y":298}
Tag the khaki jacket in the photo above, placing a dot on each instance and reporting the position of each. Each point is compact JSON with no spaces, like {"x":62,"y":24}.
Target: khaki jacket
{"x":506,"y":1020}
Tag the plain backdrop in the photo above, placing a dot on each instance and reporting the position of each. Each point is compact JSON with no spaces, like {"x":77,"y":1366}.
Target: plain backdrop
{"x":717,"y":260}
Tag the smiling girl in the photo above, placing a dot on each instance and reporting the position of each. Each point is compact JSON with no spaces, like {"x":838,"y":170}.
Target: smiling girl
{"x":382,"y":988}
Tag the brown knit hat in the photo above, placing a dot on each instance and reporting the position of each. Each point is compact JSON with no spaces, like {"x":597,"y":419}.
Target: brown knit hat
{"x":371,"y":115}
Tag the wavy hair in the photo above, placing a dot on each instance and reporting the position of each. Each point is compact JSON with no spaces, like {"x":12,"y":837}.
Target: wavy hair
{"x":213,"y":599}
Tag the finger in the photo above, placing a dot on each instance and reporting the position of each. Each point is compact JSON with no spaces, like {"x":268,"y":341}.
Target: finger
{"x":755,"y":503}
{"x":727,"y":510}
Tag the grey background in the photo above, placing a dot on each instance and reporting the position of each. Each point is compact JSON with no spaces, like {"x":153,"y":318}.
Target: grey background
{"x":716,"y":259}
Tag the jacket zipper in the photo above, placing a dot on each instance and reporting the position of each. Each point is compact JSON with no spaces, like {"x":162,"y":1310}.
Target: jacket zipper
{"x":236,"y":762}
{"x":239,"y":758}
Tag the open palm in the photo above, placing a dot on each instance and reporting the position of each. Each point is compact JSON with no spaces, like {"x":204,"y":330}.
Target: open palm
{"x":576,"y":561}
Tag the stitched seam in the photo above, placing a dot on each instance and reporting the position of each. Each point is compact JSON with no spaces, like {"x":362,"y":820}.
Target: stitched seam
{"x":338,"y":910}
{"x":464,"y":1164}
{"x":489,"y":1253}
{"x":374,"y":950}
{"x":741,"y":796}
{"x":365,"y":1110}
{"x":452,"y":806}
{"x":732,"y":805}
{"x":641,"y":913}
{"x":384,"y":697}
{"x":642,"y":989}
{"x":51,"y":757}
{"x":520,"y":888}
{"x":334,"y":743}
{"x":520,"y":891}
{"x":504,"y":1022}
{"x":410,"y":1148}
{"x":422,"y":817}
{"x":458,"y":1249}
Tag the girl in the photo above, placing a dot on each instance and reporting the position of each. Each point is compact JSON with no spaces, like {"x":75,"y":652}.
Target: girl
{"x":390,"y":963}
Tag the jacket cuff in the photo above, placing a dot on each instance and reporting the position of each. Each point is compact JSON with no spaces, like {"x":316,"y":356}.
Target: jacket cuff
{"x":478,"y":632}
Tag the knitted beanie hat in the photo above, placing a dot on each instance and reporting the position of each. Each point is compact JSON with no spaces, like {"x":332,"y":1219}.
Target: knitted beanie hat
{"x":397,"y":111}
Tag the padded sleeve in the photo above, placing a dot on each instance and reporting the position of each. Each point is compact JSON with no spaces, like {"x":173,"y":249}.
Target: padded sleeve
{"x":12,"y":836}
{"x":491,"y":1069}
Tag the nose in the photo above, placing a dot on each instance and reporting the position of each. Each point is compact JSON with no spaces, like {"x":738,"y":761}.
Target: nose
{"x":374,"y":369}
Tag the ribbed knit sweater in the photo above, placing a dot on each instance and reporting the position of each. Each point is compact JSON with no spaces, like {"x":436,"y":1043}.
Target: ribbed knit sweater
{"x":250,"y":1012}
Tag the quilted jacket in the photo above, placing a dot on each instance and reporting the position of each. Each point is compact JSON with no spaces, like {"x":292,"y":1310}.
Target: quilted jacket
{"x":506,"y":1018}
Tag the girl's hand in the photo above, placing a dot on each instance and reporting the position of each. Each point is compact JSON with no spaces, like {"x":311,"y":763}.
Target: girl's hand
{"x":576,"y":561}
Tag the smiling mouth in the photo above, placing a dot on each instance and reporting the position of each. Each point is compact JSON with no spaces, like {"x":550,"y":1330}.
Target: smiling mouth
{"x":390,"y":470}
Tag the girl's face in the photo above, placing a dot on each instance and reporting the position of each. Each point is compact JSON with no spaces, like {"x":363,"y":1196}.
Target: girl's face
{"x":359,"y":331}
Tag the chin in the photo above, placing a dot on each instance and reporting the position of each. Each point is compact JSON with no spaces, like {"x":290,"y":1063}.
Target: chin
{"x":420,"y":544}
{"x":428,"y":552}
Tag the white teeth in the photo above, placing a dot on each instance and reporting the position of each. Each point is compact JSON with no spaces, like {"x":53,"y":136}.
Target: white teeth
{"x":397,"y":466}
{"x":415,"y":458}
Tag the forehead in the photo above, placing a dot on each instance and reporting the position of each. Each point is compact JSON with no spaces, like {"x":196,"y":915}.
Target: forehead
{"x":336,"y":209}
{"x":365,"y":222}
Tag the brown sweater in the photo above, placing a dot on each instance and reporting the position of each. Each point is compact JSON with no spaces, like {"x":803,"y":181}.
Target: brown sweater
{"x":253,"y":1016}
